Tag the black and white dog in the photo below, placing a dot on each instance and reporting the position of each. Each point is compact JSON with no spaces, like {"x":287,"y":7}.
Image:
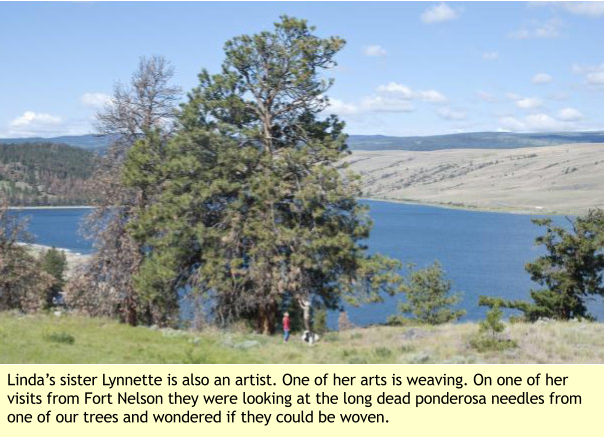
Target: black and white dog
{"x":310,"y":337}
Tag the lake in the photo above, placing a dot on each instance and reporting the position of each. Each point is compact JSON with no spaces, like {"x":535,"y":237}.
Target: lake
{"x":481,"y":252}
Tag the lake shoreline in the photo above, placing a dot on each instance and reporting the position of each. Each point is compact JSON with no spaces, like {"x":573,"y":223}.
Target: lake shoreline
{"x":471,"y":208}
{"x":74,"y":259}
{"x":19,"y":208}
{"x":462,"y":207}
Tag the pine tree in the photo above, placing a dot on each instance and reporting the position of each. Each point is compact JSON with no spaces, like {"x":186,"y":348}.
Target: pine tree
{"x":428,"y":296}
{"x":141,"y":111}
{"x":54,"y":263}
{"x":255,"y":209}
{"x":571,"y":270}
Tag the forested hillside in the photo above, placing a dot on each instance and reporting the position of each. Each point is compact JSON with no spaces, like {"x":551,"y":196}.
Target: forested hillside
{"x":41,"y":174}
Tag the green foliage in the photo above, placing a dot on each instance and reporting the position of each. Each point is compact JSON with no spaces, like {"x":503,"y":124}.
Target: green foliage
{"x":484,"y":343}
{"x":488,"y":338}
{"x":492,"y":325}
{"x":23,"y":284}
{"x":54,"y":263}
{"x":254,"y":212}
{"x":428,"y":296}
{"x":60,"y":337}
{"x":320,"y":321}
{"x":571,"y":271}
{"x":33,"y":174}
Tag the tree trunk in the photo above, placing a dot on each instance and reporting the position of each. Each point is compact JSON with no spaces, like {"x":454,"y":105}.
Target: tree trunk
{"x":305,"y":304}
{"x":265,"y":323}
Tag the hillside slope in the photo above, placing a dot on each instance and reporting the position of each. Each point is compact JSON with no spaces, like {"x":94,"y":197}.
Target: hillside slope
{"x":29,"y":339}
{"x":35,"y":174}
{"x":555,"y":179}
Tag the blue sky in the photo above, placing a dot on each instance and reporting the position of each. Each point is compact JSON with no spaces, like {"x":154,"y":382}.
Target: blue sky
{"x":409,"y":68}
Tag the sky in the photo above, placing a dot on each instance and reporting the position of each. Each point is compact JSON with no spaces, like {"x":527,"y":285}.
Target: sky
{"x":408,"y":68}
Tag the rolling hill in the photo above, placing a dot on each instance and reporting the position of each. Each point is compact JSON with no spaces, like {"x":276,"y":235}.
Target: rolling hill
{"x":564,"y":179}
{"x":45,"y":174}
{"x":548,"y":172}
{"x":473,"y":140}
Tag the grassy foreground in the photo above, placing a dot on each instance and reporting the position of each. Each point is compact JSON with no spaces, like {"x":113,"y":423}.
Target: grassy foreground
{"x":74,"y":339}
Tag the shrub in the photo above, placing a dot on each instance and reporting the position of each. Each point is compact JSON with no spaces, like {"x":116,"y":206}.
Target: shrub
{"x":60,"y":337}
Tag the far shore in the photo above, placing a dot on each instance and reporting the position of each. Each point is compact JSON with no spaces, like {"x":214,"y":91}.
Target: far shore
{"x":459,"y":206}
{"x":50,"y":207}
{"x":464,"y":207}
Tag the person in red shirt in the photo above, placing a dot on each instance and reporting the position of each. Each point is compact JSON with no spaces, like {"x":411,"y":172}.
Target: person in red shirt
{"x":286,"y":325}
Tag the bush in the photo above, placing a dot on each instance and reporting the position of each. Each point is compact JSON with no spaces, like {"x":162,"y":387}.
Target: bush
{"x":60,"y":337}
{"x":488,"y":338}
{"x":483,"y":343}
{"x":492,"y":325}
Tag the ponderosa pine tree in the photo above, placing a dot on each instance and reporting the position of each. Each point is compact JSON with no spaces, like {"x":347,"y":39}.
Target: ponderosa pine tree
{"x":571,"y":270}
{"x":142,"y":110}
{"x":255,"y":207}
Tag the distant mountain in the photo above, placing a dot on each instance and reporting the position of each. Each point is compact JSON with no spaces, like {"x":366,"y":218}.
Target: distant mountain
{"x":43,"y":174}
{"x":474,"y":140}
{"x":88,"y":142}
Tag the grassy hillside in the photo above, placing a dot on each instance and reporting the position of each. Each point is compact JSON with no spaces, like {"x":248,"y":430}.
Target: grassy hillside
{"x":34,"y":174}
{"x":72,"y":339}
{"x":556,"y":179}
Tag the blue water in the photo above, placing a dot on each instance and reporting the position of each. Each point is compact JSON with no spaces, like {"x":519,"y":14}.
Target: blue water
{"x":59,"y":228}
{"x":482,"y":253}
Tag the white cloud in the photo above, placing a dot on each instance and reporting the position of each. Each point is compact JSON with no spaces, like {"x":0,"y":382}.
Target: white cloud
{"x":451,"y":114}
{"x":491,"y":56}
{"x":542,"y":122}
{"x":374,"y":51}
{"x":379,"y":103}
{"x":566,"y":119}
{"x":539,"y":29}
{"x":30,"y":118}
{"x":95,"y":100}
{"x":528,"y":103}
{"x":570,"y":114}
{"x":511,"y":123}
{"x":439,"y":13}
{"x":393,"y":97}
{"x":397,"y":89}
{"x":593,"y":74}
{"x":31,"y":124}
{"x":595,"y":78}
{"x":400,"y":91}
{"x":541,"y":78}
{"x":486,"y":97}
{"x":589,"y":8}
{"x":341,"y":108}
{"x":431,"y":96}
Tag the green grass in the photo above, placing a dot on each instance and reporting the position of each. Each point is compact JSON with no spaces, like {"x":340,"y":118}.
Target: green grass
{"x":45,"y":338}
